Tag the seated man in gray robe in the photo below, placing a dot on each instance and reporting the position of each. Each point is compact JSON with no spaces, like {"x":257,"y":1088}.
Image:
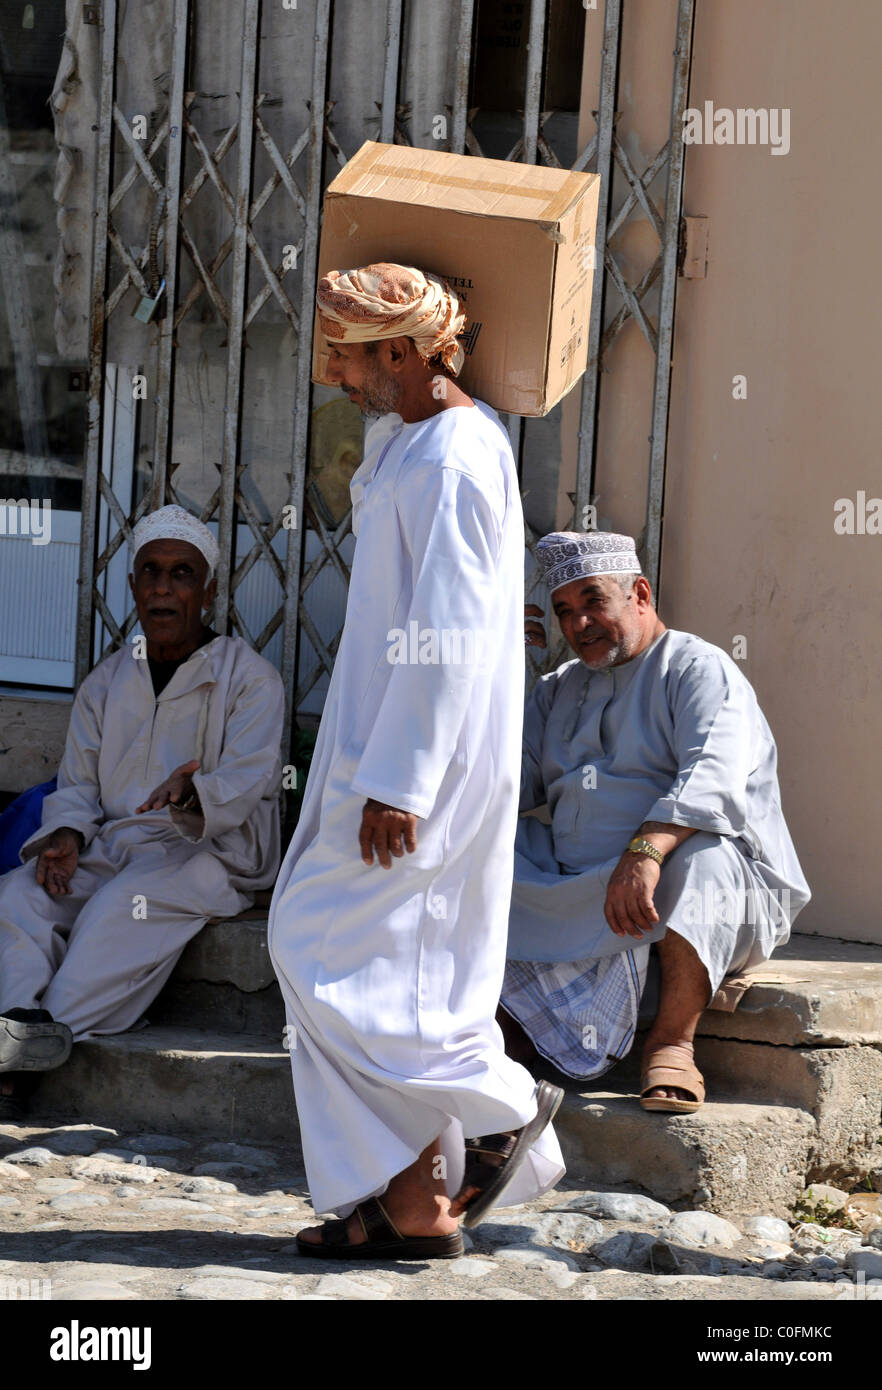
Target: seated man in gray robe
{"x":166,"y":814}
{"x":659,"y":773}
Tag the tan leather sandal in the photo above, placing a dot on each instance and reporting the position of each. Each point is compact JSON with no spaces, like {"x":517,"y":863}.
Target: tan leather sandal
{"x":672,"y":1066}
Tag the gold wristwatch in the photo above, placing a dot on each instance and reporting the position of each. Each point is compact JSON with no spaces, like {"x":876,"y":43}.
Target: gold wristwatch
{"x":640,"y":846}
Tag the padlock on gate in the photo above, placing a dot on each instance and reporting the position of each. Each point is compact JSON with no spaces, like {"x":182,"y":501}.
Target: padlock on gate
{"x":147,"y":305}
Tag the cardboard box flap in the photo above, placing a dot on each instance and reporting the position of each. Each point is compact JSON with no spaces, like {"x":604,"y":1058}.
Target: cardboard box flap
{"x":401,"y":173}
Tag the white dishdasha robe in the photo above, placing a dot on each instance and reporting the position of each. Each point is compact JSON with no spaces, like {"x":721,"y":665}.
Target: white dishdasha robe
{"x":391,"y":978}
{"x":145,"y":884}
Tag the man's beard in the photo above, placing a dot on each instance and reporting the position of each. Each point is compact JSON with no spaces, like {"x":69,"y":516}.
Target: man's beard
{"x":615,"y":655}
{"x":609,"y":658}
{"x":380,"y":393}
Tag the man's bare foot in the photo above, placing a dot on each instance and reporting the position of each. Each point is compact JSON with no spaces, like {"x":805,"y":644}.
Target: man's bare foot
{"x":409,"y":1220}
{"x":465,"y":1195}
{"x":668,"y":1093}
{"x":415,"y":1200}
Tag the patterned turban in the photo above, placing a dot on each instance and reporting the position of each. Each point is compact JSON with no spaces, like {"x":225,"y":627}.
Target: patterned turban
{"x":175,"y":524}
{"x":393,"y":301}
{"x":567,"y":555}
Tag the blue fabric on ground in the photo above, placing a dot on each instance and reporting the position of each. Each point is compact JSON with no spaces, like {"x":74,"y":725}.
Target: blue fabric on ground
{"x":19,"y":821}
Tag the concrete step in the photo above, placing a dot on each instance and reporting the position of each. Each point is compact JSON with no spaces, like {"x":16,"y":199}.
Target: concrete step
{"x":730,"y":1157}
{"x":808,"y":1031}
{"x":835,"y":1085}
{"x":231,"y":1085}
{"x":219,"y":1007}
{"x":816,"y":992}
{"x":224,"y":981}
{"x":773,"y":1116}
{"x":794,"y":1076}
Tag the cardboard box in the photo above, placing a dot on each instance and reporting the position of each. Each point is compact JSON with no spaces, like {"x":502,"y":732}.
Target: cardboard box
{"x":516,"y":241}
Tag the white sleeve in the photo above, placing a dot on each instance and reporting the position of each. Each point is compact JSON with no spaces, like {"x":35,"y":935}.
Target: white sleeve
{"x":249,"y":767}
{"x":451,"y":529}
{"x":77,"y":802}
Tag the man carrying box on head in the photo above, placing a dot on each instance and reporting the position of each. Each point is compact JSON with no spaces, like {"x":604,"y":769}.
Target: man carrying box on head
{"x":391,"y":969}
{"x":659,"y":772}
{"x":166,"y":814}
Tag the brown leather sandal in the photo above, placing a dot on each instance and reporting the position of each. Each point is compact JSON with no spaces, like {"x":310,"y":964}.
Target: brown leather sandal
{"x":512,"y":1147}
{"x":383,"y":1240}
{"x":672,"y":1066}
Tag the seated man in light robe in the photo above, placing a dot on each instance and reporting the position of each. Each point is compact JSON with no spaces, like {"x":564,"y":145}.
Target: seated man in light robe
{"x":391,"y":966}
{"x":659,"y":773}
{"x":166,"y":814}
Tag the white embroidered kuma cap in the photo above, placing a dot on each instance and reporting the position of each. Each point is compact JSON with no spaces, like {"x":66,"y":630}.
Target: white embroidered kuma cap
{"x":567,"y":555}
{"x":175,"y":524}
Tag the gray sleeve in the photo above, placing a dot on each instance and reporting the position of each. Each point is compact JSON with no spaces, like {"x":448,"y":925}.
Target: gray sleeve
{"x":716,"y":746}
{"x":539,"y":702}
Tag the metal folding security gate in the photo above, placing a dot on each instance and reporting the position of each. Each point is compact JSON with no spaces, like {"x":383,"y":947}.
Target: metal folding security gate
{"x":229,"y":505}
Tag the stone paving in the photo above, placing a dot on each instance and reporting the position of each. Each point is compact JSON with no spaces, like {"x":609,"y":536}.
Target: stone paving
{"x":87,"y":1212}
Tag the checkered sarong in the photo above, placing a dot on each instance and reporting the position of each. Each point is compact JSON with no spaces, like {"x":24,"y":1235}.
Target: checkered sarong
{"x":581,"y":1015}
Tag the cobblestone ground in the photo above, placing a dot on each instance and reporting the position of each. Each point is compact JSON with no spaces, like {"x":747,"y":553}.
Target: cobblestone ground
{"x":90,"y":1213}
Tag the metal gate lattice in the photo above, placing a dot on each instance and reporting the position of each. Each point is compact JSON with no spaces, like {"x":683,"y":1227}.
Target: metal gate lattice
{"x":229,"y":503}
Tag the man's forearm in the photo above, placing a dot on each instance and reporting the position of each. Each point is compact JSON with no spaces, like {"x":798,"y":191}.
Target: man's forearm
{"x":664,"y":838}
{"x":36,"y":846}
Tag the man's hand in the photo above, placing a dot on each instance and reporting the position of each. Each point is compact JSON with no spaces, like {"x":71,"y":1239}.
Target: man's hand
{"x":382,"y":829}
{"x":629,"y":908}
{"x":534,"y":633}
{"x":177,"y":787}
{"x":58,"y":860}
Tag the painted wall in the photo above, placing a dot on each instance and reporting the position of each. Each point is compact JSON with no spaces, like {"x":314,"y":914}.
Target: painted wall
{"x":791,"y":300}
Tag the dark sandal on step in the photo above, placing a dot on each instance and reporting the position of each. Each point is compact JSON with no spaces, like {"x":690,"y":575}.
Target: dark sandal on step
{"x":492,"y":1179}
{"x":383,"y":1240}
